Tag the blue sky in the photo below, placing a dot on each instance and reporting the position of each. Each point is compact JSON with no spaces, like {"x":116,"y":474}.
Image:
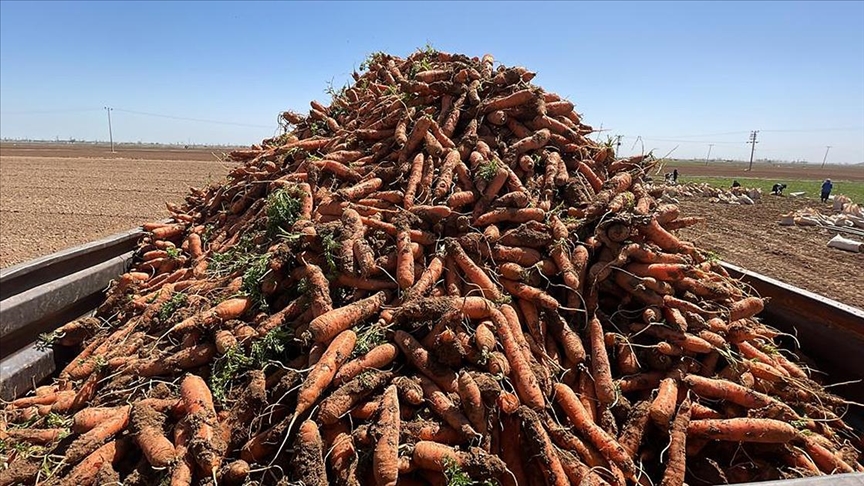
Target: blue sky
{"x":680,"y":75}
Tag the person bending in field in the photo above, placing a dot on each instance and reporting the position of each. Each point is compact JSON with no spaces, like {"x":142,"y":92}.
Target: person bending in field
{"x":777,"y":190}
{"x":826,"y":189}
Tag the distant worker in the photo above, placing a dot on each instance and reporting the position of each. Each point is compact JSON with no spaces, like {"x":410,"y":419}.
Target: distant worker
{"x":826,"y":189}
{"x":675,"y":175}
{"x":777,"y":190}
{"x":736,"y":184}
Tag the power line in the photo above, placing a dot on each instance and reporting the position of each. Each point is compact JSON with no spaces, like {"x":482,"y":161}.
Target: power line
{"x":201,"y":120}
{"x":47,"y":112}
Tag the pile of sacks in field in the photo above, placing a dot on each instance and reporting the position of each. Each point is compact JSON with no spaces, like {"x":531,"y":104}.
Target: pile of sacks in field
{"x":735,"y":195}
{"x":847,"y":214}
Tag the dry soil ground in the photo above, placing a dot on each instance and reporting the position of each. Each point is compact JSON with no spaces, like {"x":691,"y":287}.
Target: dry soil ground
{"x":54,"y":197}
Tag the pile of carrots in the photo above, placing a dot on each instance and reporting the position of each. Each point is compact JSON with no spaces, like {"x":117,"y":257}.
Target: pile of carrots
{"x":436,"y":279}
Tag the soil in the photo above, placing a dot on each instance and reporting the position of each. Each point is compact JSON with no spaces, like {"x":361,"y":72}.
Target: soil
{"x":53,"y":199}
{"x":769,"y":171}
{"x":750,"y":237}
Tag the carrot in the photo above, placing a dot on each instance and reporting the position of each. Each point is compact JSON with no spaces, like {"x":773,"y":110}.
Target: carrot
{"x":663,"y":406}
{"x":527,"y":292}
{"x":745,"y":308}
{"x":600,"y":368}
{"x":88,"y":442}
{"x":308,"y":459}
{"x":541,"y":447}
{"x":460,"y":199}
{"x":413,"y":180}
{"x":325,"y":369}
{"x":825,"y":460}
{"x":676,"y":464}
{"x":224,"y":311}
{"x":743,"y":430}
{"x":88,"y":418}
{"x":687,"y":341}
{"x":206,"y":444}
{"x":472,"y":271}
{"x":634,"y":429}
{"x":472,"y":402}
{"x":510,"y":215}
{"x":608,"y":446}
{"x":85,"y":472}
{"x":735,"y":393}
{"x":350,"y":394}
{"x":342,"y":455}
{"x":386,"y":455}
{"x":567,"y":337}
{"x":474,"y":462}
{"x":420,"y":358}
{"x":377,"y":358}
{"x":662,"y":238}
{"x":524,"y":379}
{"x":325,"y":327}
{"x":445,"y":408}
{"x":35,"y":436}
{"x":147,"y":429}
{"x":513,"y":100}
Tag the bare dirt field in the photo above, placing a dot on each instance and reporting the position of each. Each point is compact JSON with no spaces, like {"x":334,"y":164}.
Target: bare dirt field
{"x":55,"y":197}
{"x":764,"y":170}
{"x":52,"y":198}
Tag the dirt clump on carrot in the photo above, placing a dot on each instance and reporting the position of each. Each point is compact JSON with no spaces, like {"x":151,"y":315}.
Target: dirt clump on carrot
{"x":443,"y":276}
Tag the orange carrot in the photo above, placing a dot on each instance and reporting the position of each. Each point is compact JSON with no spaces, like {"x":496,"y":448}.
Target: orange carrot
{"x":527,"y":292}
{"x":472,"y":271}
{"x":377,"y":358}
{"x":676,"y":465}
{"x":633,"y":430}
{"x":85,"y":472}
{"x":608,"y":446}
{"x":663,"y":406}
{"x":510,"y":215}
{"x":206,"y":444}
{"x":325,"y":369}
{"x":743,"y":430}
{"x":326,"y":326}
{"x":147,"y":426}
{"x":472,"y":402}
{"x":385,"y":459}
{"x":744,"y":308}
{"x":523,"y":377}
{"x":418,"y":356}
{"x":541,"y":447}
{"x":600,"y":368}
{"x":445,"y":408}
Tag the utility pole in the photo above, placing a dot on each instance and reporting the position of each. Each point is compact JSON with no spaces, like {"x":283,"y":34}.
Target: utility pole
{"x":110,"y":133}
{"x":708,"y":157}
{"x":752,"y":143}
{"x":827,"y":148}
{"x":618,"y":145}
